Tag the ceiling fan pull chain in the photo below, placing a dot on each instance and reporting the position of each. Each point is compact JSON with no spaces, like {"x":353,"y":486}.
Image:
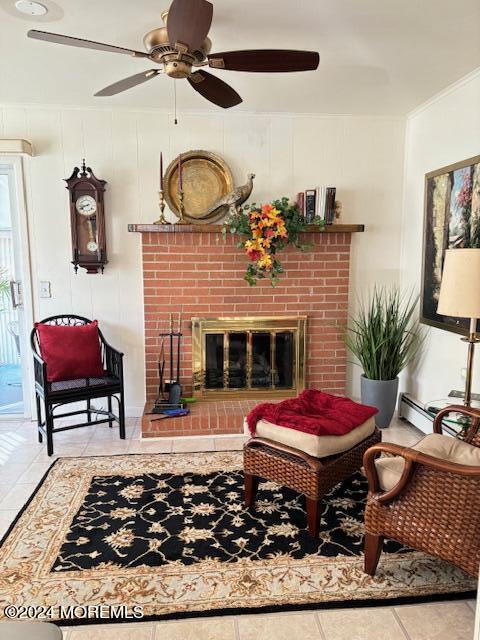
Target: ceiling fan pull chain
{"x":175,"y":121}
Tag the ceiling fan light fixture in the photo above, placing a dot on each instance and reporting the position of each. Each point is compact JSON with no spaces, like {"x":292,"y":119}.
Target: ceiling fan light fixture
{"x":31,"y":8}
{"x":178,"y":69}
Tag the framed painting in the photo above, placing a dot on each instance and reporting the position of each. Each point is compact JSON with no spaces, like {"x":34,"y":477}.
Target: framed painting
{"x":452,"y":221}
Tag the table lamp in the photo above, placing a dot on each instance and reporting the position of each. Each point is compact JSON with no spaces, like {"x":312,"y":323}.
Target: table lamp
{"x":460,"y":298}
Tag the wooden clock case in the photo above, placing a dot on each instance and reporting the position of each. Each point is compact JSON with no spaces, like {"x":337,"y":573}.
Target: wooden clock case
{"x":83,"y":182}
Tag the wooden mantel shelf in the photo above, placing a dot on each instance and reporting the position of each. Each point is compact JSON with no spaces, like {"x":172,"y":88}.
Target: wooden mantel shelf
{"x":217,"y":228}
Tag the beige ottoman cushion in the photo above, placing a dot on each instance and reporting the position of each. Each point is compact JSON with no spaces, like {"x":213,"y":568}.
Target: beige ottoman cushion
{"x":390,"y":469}
{"x":316,"y":446}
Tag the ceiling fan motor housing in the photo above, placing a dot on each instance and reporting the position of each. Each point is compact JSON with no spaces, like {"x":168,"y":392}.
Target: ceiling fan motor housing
{"x":176,"y":64}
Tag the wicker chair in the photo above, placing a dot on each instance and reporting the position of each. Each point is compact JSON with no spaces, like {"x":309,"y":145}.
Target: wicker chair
{"x":57,"y":394}
{"x":435,"y":504}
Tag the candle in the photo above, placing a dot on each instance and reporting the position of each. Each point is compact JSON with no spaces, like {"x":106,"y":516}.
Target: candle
{"x":180,"y":178}
{"x":161,"y":171}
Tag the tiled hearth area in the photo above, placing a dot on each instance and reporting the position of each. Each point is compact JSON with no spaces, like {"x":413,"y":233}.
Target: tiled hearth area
{"x":196,"y":271}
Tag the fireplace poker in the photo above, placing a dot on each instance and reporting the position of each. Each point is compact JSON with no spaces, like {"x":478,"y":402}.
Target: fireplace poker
{"x":171,"y":350}
{"x":175,"y":391}
{"x":178,"y":344}
{"x":161,"y":368}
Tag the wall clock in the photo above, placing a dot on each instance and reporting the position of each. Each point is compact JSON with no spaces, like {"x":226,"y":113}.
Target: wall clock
{"x":87,"y":217}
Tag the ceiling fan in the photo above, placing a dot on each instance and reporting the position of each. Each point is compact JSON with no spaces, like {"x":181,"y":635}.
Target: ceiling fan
{"x":182,"y":44}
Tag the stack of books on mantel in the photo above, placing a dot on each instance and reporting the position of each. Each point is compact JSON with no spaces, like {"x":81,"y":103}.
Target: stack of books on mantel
{"x":317,"y":203}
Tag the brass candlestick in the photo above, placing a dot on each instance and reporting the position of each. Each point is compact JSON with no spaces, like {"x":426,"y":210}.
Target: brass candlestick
{"x":161,"y":204}
{"x":181,"y":208}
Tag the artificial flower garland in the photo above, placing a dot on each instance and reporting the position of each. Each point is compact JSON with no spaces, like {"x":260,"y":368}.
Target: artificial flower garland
{"x":266,"y":229}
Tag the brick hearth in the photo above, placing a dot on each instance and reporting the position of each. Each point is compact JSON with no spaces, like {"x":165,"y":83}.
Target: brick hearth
{"x":207,"y":417}
{"x":196,"y":271}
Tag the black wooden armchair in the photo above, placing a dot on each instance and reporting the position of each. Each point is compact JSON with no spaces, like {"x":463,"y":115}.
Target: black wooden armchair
{"x":57,"y":394}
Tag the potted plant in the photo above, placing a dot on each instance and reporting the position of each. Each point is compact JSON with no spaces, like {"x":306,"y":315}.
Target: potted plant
{"x":385,"y":337}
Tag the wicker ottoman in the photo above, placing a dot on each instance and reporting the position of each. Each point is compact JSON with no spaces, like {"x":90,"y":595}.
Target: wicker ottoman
{"x":292,"y":468}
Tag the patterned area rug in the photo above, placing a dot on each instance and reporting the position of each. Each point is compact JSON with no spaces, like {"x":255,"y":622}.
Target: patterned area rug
{"x":170,"y":533}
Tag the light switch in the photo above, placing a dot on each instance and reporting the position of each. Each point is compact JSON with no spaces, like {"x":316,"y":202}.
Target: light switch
{"x":45,"y":289}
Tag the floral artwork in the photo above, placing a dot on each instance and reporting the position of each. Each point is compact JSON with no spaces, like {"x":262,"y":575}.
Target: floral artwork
{"x":265,"y":230}
{"x":452,"y":221}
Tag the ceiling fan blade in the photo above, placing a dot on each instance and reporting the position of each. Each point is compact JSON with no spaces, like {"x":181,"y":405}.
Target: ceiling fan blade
{"x":214,"y":89}
{"x":189,"y":22}
{"x":265,"y":60}
{"x":58,"y":38}
{"x":128,"y":83}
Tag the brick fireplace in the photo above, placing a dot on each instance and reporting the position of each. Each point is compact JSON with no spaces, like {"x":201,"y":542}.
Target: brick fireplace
{"x":194,"y":271}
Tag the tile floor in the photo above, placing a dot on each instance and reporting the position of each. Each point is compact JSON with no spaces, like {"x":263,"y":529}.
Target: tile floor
{"x":23,"y":462}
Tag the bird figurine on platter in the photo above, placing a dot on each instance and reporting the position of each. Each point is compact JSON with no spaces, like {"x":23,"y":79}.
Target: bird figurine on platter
{"x":230,"y":203}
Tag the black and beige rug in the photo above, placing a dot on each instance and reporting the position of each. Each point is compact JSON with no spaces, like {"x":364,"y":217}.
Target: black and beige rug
{"x":170,"y":533}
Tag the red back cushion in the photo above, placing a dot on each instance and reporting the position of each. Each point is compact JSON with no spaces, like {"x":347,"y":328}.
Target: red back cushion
{"x":70,"y":352}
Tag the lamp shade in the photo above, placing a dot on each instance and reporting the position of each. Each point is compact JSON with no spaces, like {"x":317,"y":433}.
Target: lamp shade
{"x":460,"y":288}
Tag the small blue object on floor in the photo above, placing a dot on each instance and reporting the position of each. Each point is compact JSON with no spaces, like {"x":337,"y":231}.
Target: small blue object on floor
{"x":175,"y":413}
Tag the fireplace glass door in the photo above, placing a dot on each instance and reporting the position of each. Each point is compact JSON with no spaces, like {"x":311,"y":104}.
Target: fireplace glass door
{"x":237,"y":360}
{"x":267,"y":356}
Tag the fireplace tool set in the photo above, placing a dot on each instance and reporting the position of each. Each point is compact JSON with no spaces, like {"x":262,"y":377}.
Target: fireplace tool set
{"x":168,"y":402}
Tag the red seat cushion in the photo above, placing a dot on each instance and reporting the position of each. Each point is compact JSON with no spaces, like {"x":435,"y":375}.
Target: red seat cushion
{"x":314,"y":412}
{"x":70,"y":352}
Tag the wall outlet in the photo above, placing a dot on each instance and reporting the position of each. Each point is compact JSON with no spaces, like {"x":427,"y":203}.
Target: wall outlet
{"x":45,"y":289}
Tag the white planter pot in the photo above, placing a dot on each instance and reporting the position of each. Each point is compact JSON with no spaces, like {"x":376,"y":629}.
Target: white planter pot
{"x":381,"y":394}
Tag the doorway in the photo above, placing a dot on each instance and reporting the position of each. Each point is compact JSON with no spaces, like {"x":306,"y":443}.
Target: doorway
{"x":15,"y":288}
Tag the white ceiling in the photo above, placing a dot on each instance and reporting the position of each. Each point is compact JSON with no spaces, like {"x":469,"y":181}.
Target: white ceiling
{"x":377,"y":56}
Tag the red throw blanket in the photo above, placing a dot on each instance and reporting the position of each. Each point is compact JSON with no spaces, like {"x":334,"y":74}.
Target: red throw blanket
{"x":315,"y":412}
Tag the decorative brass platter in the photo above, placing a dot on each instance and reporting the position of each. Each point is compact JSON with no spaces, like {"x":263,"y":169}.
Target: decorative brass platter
{"x":206,"y":179}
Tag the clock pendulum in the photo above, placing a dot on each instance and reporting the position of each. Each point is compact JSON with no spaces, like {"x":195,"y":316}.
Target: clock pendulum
{"x":92,"y":245}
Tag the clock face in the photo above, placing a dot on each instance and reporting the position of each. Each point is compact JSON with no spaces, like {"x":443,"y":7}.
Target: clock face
{"x":86,"y":205}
